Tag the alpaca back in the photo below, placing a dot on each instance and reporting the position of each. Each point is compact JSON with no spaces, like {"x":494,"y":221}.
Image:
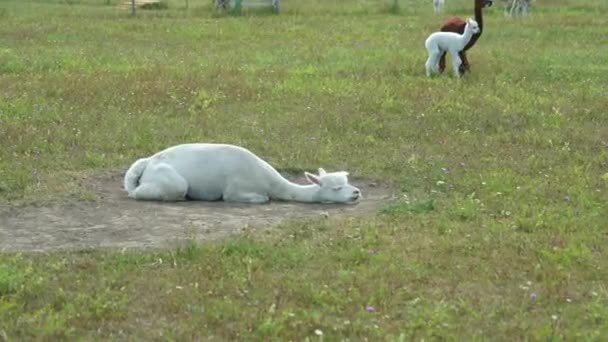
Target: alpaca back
{"x":216,"y":166}
{"x":443,"y":40}
{"x":451,"y":41}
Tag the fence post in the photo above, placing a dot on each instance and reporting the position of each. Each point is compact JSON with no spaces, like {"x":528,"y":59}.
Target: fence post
{"x":133,"y":7}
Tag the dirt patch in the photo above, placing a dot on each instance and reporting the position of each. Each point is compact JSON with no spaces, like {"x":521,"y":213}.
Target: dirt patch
{"x":115,"y":221}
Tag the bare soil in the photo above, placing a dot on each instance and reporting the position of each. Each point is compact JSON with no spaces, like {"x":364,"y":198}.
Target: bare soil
{"x":116,"y":221}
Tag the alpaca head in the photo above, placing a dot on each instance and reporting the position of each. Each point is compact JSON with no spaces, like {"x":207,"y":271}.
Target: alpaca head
{"x":487,"y":3}
{"x":334,"y":187}
{"x":472,"y":26}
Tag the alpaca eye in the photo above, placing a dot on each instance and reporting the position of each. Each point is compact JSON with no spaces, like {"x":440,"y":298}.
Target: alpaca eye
{"x":337,"y":188}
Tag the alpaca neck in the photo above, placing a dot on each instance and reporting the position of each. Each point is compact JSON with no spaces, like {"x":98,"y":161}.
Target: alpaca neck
{"x":289,"y":191}
{"x":466,"y":36}
{"x":478,"y":15}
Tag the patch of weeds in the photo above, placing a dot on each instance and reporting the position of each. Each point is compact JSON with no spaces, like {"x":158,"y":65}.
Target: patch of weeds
{"x":353,"y":256}
{"x":10,"y":278}
{"x":406,"y":207}
{"x":204,"y":100}
{"x":430,"y":319}
{"x":287,"y":258}
{"x":52,"y":324}
{"x":243,"y":247}
{"x":160,"y":5}
{"x":573,"y":253}
{"x":465,"y":208}
{"x":107,"y":304}
{"x":501,"y":182}
{"x":121,"y":263}
{"x":394,"y":7}
{"x":529,"y":224}
{"x":190,"y":252}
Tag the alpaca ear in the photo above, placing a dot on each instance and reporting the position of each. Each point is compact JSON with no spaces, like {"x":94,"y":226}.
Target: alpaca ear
{"x":312,"y":178}
{"x":322,"y":172}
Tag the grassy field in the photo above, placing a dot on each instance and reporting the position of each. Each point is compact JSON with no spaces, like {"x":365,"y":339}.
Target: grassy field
{"x":501,"y":232}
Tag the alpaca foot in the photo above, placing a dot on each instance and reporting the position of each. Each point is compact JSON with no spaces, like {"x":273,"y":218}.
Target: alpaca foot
{"x":161,"y":183}
{"x":463,"y":69}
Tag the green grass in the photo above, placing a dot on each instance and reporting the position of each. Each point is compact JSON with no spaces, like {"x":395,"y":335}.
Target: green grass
{"x":502,"y":170}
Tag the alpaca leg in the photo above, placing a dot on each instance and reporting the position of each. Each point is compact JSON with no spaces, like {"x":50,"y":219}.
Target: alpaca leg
{"x":514,"y":6}
{"x":438,"y":6}
{"x":464,"y":67}
{"x":161,"y":183}
{"x":525,"y":7}
{"x":435,"y":63}
{"x":442,"y":62}
{"x":428,"y":66}
{"x":456,"y":64}
{"x":431,"y":63}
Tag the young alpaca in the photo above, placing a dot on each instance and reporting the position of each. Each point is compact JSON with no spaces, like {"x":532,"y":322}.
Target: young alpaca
{"x":456,"y":24}
{"x":212,"y":172}
{"x":439,"y":43}
{"x":438,"y":6}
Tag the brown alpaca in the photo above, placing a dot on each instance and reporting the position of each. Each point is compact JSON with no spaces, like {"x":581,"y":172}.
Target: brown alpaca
{"x":456,"y":24}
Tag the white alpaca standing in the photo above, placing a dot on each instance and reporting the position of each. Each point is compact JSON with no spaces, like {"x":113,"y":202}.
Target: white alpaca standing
{"x":438,"y":6}
{"x":516,"y":7}
{"x":439,"y":42}
{"x":212,"y":172}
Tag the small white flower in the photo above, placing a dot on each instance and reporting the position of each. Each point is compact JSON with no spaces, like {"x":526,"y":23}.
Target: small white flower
{"x":318,"y":332}
{"x":568,"y":300}
{"x":554,"y":317}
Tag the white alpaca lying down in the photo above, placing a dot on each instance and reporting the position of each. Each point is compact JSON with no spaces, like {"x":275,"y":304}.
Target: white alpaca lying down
{"x":439,"y":42}
{"x":212,"y":172}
